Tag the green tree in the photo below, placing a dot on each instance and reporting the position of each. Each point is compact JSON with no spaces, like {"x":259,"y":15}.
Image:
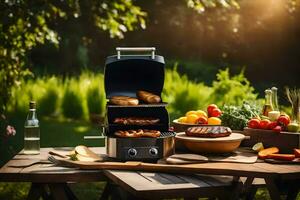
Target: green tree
{"x":26,"y":24}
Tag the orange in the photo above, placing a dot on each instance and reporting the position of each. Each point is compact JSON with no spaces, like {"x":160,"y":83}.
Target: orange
{"x":191,"y":119}
{"x":201,"y":113}
{"x":192,"y":112}
{"x":182,"y":119}
{"x":214,"y":121}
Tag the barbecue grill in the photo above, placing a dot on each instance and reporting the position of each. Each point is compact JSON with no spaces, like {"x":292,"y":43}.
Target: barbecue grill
{"x":124,"y":75}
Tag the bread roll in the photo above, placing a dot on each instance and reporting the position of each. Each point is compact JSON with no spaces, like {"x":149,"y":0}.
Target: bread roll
{"x":148,"y":97}
{"x":124,"y":101}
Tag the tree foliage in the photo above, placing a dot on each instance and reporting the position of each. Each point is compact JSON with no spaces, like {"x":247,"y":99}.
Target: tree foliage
{"x":26,"y":24}
{"x":202,"y":5}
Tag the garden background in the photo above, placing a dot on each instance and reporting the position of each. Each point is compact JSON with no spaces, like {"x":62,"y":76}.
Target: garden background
{"x":216,"y":51}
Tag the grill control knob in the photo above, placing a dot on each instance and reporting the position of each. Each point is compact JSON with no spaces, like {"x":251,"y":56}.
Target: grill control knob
{"x":153,"y":151}
{"x":132,"y":152}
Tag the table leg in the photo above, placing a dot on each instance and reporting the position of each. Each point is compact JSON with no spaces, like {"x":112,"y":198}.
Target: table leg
{"x":38,"y":190}
{"x":34,"y":192}
{"x":69,"y":192}
{"x":236,"y":187}
{"x":249,"y":190}
{"x":106,"y":192}
{"x":272,"y":188}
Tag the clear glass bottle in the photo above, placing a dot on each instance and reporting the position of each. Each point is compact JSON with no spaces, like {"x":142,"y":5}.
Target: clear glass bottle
{"x":268,"y":103}
{"x":275,"y":99}
{"x":275,"y":113}
{"x":32,"y":131}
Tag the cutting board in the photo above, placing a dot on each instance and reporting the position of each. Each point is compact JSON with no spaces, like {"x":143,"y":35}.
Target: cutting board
{"x":238,"y":156}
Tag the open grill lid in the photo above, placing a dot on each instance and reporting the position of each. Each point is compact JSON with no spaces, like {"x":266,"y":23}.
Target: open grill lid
{"x":126,"y":74}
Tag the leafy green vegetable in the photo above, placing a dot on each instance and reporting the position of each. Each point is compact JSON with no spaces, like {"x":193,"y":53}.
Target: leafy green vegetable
{"x":74,"y":157}
{"x":236,"y":117}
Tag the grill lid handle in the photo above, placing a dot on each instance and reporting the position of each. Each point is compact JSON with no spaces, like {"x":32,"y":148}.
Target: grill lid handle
{"x":136,"y":49}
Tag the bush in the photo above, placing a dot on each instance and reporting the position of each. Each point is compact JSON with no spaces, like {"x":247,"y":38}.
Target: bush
{"x":72,"y":101}
{"x":48,"y":102}
{"x":95,"y":99}
{"x":45,"y":91}
{"x":78,"y":97}
{"x":182,"y":94}
{"x":232,"y":90}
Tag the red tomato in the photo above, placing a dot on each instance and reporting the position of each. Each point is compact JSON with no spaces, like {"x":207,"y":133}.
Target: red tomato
{"x":210,"y":108}
{"x":272,"y":125}
{"x":264,"y":124}
{"x":201,"y":120}
{"x":277,"y":129}
{"x":216,"y":112}
{"x":254,"y":123}
{"x":283,"y":120}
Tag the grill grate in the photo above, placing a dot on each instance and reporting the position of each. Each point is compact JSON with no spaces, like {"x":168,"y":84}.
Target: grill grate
{"x":166,"y":134}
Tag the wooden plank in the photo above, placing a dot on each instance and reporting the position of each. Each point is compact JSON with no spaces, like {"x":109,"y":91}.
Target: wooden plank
{"x":162,"y":178}
{"x":194,"y":180}
{"x":285,"y":141}
{"x":216,"y":181}
{"x":280,"y":168}
{"x":39,"y":173}
{"x":231,"y":169}
{"x":161,"y":185}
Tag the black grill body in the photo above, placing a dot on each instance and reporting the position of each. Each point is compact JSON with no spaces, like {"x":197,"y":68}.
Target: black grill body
{"x":124,"y":76}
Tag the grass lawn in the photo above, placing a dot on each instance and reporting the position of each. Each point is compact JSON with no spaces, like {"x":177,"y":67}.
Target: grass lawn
{"x":54,"y":133}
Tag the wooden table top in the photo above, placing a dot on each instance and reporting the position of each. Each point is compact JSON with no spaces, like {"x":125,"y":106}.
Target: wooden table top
{"x":48,"y":172}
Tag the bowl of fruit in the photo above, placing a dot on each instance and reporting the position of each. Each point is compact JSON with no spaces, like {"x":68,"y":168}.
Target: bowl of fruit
{"x":198,"y":118}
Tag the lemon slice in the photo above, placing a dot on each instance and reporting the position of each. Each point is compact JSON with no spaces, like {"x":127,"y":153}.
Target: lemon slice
{"x":258,"y":147}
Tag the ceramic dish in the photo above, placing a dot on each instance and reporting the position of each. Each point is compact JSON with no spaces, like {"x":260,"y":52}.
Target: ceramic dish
{"x":211,"y":145}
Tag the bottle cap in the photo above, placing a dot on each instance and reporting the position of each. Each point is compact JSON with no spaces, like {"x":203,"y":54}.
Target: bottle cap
{"x":268,"y":91}
{"x":32,"y":105}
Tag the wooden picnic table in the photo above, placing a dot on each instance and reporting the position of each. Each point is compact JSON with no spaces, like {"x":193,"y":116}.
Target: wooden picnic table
{"x":43,"y":174}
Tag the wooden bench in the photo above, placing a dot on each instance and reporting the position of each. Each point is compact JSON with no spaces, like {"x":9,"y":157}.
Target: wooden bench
{"x":148,"y":185}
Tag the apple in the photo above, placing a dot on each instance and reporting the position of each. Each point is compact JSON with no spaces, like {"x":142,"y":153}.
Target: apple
{"x":210,"y":108}
{"x":216,"y":112}
{"x":292,"y":127}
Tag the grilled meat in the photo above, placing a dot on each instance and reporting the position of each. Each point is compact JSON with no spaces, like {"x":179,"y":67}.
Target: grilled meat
{"x":138,"y":133}
{"x":208,"y":131}
{"x":143,"y":121}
